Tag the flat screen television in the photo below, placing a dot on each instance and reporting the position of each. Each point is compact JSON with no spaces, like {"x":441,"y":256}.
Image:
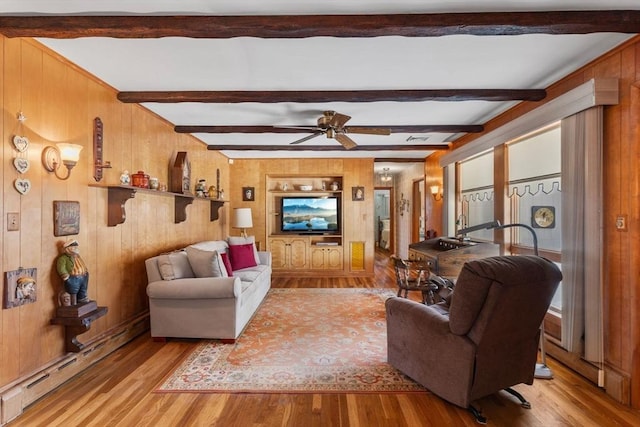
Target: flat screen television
{"x":310,"y":215}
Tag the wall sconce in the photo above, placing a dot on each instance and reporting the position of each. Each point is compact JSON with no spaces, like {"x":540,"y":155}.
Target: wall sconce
{"x":242,"y":219}
{"x":68,"y":154}
{"x":435,"y":192}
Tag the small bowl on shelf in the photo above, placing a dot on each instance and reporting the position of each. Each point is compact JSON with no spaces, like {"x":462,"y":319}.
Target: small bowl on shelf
{"x":306,"y":187}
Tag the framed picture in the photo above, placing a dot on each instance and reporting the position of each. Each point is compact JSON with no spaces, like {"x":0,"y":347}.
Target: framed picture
{"x":20,"y":287}
{"x":248,"y":194}
{"x":357,"y":194}
{"x":66,"y":218}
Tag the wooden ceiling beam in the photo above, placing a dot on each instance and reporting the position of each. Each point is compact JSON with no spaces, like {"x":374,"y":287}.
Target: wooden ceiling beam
{"x":292,"y":129}
{"x":321,"y":96}
{"x":301,"y":26}
{"x":332,"y":147}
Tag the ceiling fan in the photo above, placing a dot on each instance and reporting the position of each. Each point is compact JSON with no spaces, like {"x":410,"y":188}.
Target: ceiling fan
{"x":332,"y":124}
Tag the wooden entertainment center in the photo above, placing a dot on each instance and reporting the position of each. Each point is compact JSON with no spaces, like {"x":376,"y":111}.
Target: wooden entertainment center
{"x":314,"y":253}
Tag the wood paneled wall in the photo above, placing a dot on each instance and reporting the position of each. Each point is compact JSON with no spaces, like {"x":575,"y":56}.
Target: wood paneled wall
{"x":60,"y":102}
{"x":358,"y":221}
{"x":621,"y":195}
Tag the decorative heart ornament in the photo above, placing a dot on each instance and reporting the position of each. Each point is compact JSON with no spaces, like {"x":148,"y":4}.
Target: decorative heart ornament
{"x":21,"y":143}
{"x":22,"y":185}
{"x":21,"y":165}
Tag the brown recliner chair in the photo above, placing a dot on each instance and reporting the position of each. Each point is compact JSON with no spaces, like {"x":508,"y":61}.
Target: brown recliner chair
{"x":481,"y":340}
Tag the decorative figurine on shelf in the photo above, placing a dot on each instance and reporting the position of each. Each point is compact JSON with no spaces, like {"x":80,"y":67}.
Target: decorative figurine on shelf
{"x":73,"y":272}
{"x":213,"y":194}
{"x":125,"y":179}
{"x":201,"y":187}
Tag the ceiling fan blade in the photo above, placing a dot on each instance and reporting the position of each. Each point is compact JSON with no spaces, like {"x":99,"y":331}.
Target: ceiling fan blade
{"x":309,"y":128}
{"x":346,"y":142}
{"x":338,"y":120}
{"x":306,"y":138}
{"x":367,"y":130}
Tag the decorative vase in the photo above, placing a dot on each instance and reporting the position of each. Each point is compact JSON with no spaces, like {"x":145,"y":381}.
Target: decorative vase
{"x":140,"y":179}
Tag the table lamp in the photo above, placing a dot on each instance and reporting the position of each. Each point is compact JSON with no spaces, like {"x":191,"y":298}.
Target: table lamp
{"x":242,"y":219}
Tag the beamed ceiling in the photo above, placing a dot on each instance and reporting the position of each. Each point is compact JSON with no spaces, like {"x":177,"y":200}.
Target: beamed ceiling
{"x":405,"y":78}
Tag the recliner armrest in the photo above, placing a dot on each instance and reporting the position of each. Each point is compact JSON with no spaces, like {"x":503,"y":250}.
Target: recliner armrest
{"x":195,"y":288}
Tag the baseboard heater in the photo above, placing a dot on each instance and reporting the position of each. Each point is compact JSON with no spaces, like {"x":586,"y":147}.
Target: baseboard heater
{"x":16,"y":396}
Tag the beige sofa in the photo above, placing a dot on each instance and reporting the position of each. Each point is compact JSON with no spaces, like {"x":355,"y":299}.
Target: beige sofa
{"x":186,"y":301}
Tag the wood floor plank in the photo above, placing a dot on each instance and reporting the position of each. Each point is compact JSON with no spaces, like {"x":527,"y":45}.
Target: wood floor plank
{"x":120,"y":391}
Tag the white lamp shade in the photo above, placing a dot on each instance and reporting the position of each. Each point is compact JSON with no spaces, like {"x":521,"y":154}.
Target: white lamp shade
{"x":242,"y":218}
{"x":69,"y":152}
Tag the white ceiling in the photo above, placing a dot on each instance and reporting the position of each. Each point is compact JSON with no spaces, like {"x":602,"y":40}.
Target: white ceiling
{"x":326,"y":63}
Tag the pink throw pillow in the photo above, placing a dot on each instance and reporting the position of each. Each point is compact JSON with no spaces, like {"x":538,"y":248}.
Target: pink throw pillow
{"x":241,"y":256}
{"x":227,"y":263}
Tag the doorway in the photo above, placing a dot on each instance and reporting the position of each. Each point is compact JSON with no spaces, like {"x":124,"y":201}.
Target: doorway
{"x":418,"y":213}
{"x":384,"y":221}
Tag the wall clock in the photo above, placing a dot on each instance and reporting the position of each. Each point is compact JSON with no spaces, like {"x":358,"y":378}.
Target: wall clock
{"x":181,"y":174}
{"x":543,"y":216}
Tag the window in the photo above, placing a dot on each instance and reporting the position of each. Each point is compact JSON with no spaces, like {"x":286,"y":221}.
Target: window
{"x":476,"y":194}
{"x":534,"y":195}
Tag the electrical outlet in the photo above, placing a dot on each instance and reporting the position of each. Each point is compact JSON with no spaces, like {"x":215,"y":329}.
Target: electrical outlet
{"x":621,"y":223}
{"x":13,"y":221}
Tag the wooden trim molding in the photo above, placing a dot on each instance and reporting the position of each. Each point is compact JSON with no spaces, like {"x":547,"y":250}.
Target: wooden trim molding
{"x":598,"y":91}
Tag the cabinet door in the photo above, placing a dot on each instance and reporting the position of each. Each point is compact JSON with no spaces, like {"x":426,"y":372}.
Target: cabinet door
{"x":333,"y":258}
{"x":279,"y":252}
{"x":298,"y":253}
{"x":317,"y":258}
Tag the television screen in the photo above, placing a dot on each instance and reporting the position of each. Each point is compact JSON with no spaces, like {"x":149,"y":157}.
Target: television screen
{"x":310,"y":214}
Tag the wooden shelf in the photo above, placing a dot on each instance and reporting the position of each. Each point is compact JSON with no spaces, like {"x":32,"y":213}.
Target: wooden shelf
{"x":119,"y":194}
{"x":75,"y":326}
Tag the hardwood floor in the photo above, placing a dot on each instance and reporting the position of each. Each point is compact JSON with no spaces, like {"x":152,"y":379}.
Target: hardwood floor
{"x":118,"y":391}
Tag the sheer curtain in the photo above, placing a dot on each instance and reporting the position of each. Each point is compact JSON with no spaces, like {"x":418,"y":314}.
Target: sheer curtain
{"x":582,"y":330}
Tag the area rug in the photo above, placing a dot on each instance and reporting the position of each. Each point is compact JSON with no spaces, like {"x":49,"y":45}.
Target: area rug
{"x":299,"y":341}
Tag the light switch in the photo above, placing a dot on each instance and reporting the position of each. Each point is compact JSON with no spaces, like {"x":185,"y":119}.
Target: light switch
{"x":621,"y":223}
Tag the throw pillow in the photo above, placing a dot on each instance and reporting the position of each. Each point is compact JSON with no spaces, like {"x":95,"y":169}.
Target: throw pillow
{"x":165,"y":267}
{"x":174,"y":265}
{"x":241,"y":256}
{"x":227,"y":263}
{"x":239,"y":240}
{"x":205,"y":263}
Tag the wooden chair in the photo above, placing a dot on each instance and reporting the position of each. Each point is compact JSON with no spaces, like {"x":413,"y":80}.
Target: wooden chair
{"x":412,"y":275}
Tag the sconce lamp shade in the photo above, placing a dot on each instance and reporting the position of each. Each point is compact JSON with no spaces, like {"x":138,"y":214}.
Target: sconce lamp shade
{"x":242,"y":219}
{"x":69,"y":152}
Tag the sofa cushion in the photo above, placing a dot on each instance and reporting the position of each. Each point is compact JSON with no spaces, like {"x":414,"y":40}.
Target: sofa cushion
{"x":241,"y":256}
{"x":212,"y":245}
{"x":251,"y":274}
{"x":174,"y":265}
{"x":239,"y":240}
{"x":206,"y":263}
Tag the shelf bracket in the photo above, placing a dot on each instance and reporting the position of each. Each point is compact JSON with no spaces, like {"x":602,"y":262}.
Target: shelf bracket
{"x":215,"y":209}
{"x":116,"y":198}
{"x":181,"y":203}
